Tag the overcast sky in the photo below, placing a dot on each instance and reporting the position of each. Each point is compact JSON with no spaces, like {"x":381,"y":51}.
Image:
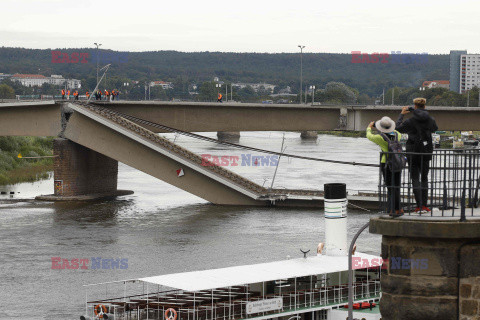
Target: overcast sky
{"x":432,"y":26}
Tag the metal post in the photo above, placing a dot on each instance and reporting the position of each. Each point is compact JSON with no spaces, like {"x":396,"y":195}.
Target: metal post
{"x":350,"y":271}
{"x":226,"y":92}
{"x":468,"y":98}
{"x":278,"y":163}
{"x":393,"y":94}
{"x":383,"y":97}
{"x":106,"y":69}
{"x":464,"y":193}
{"x":295,"y":295}
{"x":301,"y":71}
{"x":98,"y":45}
{"x":313,"y":95}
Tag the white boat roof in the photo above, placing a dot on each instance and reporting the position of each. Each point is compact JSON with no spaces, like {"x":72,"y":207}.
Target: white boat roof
{"x":242,"y":275}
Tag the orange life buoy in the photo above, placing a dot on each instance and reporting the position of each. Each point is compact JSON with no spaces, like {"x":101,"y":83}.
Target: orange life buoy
{"x":170,"y":314}
{"x":101,"y":312}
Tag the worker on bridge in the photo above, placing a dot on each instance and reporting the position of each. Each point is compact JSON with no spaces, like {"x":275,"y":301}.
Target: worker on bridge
{"x":75,"y":95}
{"x":219,"y":99}
{"x":87,"y":94}
{"x":68,"y":94}
{"x":63,"y":94}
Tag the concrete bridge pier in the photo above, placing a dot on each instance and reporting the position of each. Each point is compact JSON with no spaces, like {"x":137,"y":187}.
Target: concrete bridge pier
{"x":82,"y":174}
{"x":309,"y":135}
{"x":228,"y":135}
{"x":433,"y":269}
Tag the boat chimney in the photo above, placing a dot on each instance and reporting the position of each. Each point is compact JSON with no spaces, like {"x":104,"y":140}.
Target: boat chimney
{"x":335,"y":195}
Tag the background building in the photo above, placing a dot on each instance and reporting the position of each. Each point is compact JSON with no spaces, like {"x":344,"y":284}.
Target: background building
{"x":436,"y":84}
{"x":255,"y":86}
{"x":163,"y":84}
{"x":455,"y":69}
{"x":30,"y":80}
{"x":37,"y":80}
{"x":4,"y":76}
{"x":469,"y":71}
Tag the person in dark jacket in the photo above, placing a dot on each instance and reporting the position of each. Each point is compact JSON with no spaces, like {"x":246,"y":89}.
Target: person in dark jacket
{"x":419,"y":129}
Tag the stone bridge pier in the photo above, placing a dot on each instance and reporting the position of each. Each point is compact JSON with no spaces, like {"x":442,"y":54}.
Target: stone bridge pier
{"x":433,"y":268}
{"x":82,"y":174}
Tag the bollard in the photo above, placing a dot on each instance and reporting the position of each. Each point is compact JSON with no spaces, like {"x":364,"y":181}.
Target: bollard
{"x":335,"y":195}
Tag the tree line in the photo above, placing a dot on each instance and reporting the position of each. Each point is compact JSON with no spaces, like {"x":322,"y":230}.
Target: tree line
{"x":187,"y":68}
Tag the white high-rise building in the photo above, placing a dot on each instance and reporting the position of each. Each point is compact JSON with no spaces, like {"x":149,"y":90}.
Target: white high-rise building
{"x":469,"y":72}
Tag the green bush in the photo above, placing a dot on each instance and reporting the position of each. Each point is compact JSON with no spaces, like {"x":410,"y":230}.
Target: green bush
{"x":14,"y":170}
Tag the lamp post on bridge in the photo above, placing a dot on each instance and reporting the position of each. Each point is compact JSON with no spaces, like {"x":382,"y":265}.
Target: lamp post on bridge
{"x":312,"y":89}
{"x":98,"y":45}
{"x":301,"y":71}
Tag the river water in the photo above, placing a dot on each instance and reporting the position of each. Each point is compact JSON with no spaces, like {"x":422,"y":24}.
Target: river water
{"x":161,"y":229}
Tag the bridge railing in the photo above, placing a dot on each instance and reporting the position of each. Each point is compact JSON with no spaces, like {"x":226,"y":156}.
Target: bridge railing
{"x":442,"y":184}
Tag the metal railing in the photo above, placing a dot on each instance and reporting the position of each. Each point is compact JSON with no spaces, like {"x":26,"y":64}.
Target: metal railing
{"x":154,"y":305}
{"x":442,"y":184}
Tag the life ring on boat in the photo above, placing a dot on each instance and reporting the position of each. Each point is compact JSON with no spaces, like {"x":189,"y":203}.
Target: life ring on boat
{"x":170,"y":314}
{"x":100,"y":310}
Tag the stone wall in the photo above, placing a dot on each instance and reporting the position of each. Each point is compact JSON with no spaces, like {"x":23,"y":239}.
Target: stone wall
{"x":433,"y":268}
{"x":419,"y":290}
{"x":81,"y":171}
{"x":470,"y":283}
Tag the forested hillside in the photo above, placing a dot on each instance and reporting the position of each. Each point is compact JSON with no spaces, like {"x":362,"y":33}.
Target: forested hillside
{"x":195,"y":67}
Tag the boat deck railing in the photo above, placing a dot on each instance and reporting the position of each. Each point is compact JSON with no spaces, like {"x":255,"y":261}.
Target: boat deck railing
{"x":228,"y":304}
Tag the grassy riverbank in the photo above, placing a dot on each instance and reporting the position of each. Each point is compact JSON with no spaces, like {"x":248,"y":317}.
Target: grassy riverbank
{"x":14,"y":170}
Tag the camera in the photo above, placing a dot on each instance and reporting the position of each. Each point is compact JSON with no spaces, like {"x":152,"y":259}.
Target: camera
{"x":411,"y":109}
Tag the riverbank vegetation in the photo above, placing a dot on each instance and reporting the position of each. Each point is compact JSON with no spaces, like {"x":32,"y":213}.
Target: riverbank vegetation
{"x":15,"y":170}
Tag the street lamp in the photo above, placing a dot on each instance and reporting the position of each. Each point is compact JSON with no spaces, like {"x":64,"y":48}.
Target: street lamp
{"x":312,"y":89}
{"x":301,"y":71}
{"x":98,"y":45}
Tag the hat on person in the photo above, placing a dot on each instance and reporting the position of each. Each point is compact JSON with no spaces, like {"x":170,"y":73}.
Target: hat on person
{"x":385,"y":125}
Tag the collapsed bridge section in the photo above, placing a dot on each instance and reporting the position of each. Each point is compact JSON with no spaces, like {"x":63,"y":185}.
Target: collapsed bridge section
{"x":110,"y":138}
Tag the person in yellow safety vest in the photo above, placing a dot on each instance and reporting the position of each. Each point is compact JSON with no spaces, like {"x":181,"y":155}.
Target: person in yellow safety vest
{"x":63,"y":94}
{"x":219,"y":97}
